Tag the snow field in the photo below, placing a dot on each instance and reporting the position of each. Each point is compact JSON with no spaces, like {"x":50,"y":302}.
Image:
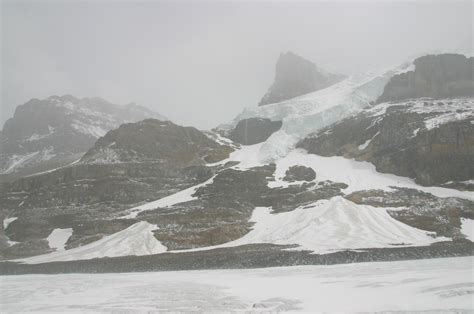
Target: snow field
{"x":435,"y":285}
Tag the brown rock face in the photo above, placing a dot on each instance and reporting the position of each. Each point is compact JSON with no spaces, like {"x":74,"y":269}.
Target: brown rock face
{"x":295,"y":76}
{"x":154,"y":140}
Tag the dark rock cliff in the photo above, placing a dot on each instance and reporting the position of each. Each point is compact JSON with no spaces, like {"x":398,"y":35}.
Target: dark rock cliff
{"x":295,"y":76}
{"x":436,"y":76}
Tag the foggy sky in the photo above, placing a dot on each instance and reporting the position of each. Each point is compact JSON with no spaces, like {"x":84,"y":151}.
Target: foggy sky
{"x":200,"y":63}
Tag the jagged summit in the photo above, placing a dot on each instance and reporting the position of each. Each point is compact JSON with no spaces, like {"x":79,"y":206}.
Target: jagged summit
{"x":295,"y":76}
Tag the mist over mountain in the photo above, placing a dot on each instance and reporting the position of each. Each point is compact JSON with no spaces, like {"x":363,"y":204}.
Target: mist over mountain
{"x":251,"y":178}
{"x":188,"y":59}
{"x":296,"y":76}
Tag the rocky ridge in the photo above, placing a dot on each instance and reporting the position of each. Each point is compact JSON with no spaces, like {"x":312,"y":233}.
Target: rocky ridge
{"x":48,"y":133}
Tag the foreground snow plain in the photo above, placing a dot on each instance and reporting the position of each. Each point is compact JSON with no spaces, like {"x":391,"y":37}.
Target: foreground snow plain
{"x":441,"y":285}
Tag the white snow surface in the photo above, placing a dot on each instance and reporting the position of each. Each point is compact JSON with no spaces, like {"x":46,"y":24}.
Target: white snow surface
{"x":443,"y":285}
{"x":58,"y":238}
{"x":332,"y":225}
{"x":176,"y":198}
{"x":366,"y":143}
{"x":137,"y":239}
{"x":467,"y":228}
{"x":8,"y":221}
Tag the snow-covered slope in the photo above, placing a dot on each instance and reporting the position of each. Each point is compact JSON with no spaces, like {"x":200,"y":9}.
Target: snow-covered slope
{"x":137,"y":239}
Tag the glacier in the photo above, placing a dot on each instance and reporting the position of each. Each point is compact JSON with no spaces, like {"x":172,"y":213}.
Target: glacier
{"x":311,"y":112}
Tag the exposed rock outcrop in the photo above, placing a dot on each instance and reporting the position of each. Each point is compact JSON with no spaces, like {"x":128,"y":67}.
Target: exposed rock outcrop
{"x":254,"y":130}
{"x":299,"y":173}
{"x":295,"y":76}
{"x":436,"y":76}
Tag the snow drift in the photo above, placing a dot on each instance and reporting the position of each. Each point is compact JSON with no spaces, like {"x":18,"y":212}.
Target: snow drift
{"x":137,"y":239}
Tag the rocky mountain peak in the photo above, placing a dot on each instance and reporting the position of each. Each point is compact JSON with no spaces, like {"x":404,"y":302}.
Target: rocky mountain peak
{"x":295,"y":76}
{"x":59,"y":129}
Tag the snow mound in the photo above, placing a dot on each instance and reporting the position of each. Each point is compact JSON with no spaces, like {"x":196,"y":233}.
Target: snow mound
{"x":137,"y":239}
{"x":333,"y":225}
